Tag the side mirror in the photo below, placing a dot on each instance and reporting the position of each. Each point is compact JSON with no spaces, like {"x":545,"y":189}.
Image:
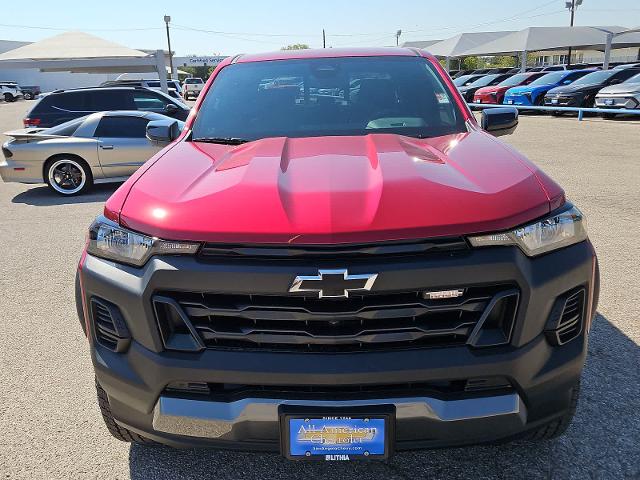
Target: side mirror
{"x":499,"y":121}
{"x":170,"y":109}
{"x":164,"y":131}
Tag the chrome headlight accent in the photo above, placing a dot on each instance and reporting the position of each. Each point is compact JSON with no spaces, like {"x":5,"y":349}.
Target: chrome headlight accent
{"x":109,"y":240}
{"x":557,"y":231}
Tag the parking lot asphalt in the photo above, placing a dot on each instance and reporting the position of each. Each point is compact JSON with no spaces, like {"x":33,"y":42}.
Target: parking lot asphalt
{"x":50,"y":425}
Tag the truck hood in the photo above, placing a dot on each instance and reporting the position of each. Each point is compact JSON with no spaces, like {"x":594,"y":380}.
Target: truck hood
{"x":335,"y":190}
{"x":621,"y":88}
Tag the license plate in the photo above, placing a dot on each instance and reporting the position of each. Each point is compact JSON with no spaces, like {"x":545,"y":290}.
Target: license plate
{"x":336,"y":437}
{"x":609,"y":101}
{"x":554,"y":100}
{"x":510,"y":102}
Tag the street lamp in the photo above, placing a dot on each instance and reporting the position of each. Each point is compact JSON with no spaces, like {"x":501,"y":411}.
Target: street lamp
{"x":398,"y":33}
{"x":167,"y":19}
{"x":572,"y":5}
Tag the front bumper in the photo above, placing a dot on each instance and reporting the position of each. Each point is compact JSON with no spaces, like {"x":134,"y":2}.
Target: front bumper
{"x":615,"y":102}
{"x":541,"y":375}
{"x":563,"y":101}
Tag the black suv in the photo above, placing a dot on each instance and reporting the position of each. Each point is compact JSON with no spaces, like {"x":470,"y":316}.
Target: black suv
{"x":60,"y":106}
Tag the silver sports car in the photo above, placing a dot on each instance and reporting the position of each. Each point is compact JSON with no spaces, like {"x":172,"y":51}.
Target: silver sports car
{"x":71,"y":157}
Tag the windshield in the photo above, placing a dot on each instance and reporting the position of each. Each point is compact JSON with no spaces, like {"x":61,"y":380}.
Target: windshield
{"x":595,"y":77}
{"x":326,"y":97}
{"x":515,"y":80}
{"x":549,"y":78}
{"x":484,"y":81}
{"x":193,"y":80}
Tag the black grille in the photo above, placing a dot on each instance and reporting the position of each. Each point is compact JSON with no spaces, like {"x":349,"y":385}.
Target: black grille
{"x":110,"y":329}
{"x":571,"y":320}
{"x":565,"y":322}
{"x":231,"y":392}
{"x":374,"y":321}
{"x":330,"y":252}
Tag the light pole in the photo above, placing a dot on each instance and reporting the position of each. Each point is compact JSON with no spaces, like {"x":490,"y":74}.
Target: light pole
{"x":398,"y":33}
{"x":167,"y":19}
{"x":572,"y":5}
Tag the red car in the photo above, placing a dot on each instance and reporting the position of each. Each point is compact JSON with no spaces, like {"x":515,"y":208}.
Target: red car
{"x":495,"y":93}
{"x":336,"y":270}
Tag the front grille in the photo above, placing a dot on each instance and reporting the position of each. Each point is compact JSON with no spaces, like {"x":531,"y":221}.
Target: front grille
{"x":372,"y":321}
{"x":225,"y":392}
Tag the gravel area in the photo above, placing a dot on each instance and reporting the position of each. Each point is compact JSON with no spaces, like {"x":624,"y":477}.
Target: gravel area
{"x":51,"y":427}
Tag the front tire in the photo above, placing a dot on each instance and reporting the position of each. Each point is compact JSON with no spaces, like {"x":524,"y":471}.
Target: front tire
{"x":27,"y":96}
{"x":121,"y":433}
{"x":558,"y":426}
{"x":68,"y":176}
{"x":8,"y":98}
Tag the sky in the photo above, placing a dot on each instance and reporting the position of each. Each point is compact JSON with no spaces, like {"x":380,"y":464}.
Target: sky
{"x":246,"y":26}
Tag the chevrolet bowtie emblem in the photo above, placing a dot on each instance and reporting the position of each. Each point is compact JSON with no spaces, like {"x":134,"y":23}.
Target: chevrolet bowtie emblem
{"x":333,"y":283}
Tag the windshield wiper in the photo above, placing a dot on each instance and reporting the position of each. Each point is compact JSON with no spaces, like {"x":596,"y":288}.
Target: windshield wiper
{"x":222,"y":140}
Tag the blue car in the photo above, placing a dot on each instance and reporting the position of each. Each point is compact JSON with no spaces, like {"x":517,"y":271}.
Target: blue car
{"x":533,"y":94}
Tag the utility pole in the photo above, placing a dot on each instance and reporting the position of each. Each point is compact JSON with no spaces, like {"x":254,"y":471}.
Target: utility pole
{"x":324,"y":39}
{"x":572,"y":5}
{"x":398,"y":33}
{"x":167,"y":19}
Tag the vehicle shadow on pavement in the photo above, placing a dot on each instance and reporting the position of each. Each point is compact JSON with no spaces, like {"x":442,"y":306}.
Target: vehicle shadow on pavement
{"x":44,"y":196}
{"x":602,"y":441}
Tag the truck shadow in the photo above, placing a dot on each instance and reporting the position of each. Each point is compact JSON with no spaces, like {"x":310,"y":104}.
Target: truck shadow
{"x":601,"y":442}
{"x":45,"y":197}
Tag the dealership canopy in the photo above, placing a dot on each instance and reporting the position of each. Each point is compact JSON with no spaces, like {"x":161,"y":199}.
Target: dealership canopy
{"x":79,"y":52}
{"x":456,"y":45}
{"x":535,"y":39}
{"x":420,"y":44}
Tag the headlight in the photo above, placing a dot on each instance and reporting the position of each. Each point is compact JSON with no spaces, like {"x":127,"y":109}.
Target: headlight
{"x":557,"y":231}
{"x":108,"y":240}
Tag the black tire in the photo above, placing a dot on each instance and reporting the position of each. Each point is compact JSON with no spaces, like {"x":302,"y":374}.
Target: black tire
{"x":8,"y":98}
{"x":76,"y":166}
{"x":27,"y":96}
{"x":558,"y":426}
{"x":116,"y":430}
{"x":609,"y":116}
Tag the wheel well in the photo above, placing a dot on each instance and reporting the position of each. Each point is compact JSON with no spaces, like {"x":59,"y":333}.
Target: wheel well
{"x":69,"y":156}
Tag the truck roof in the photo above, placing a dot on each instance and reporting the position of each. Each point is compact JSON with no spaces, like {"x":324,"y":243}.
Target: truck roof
{"x":330,"y":53}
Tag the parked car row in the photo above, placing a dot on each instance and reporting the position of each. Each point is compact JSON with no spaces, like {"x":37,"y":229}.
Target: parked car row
{"x":75,"y":138}
{"x":618,"y":87}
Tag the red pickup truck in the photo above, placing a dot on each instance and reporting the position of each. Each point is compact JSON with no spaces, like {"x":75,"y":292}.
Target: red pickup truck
{"x":334,"y":261}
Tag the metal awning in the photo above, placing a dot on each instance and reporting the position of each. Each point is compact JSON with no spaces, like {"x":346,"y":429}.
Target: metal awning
{"x":80,"y":52}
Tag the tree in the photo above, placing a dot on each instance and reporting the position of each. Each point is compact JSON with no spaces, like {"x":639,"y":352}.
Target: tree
{"x":296,"y":46}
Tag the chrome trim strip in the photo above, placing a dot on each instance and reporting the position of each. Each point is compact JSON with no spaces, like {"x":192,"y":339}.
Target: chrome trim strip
{"x":110,"y":179}
{"x":207,"y":419}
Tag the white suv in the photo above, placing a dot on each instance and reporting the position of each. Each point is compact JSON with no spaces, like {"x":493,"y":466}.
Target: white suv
{"x":10,"y":92}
